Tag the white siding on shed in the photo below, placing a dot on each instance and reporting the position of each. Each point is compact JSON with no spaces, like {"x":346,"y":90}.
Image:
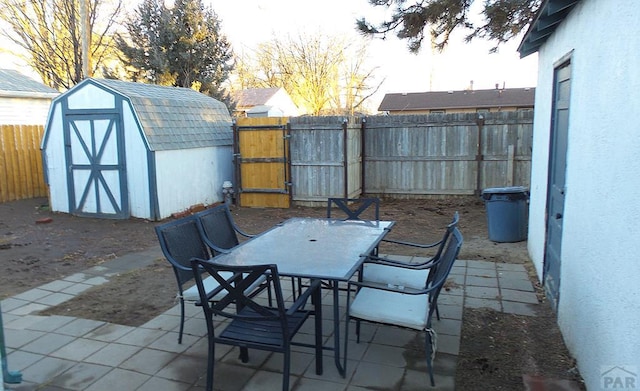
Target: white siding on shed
{"x":177,"y":167}
{"x":599,"y":294}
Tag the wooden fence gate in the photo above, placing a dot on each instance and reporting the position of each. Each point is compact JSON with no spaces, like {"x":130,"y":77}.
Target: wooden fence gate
{"x":262,"y":162}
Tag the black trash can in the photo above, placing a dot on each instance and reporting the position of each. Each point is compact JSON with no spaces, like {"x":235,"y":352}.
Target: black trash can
{"x":507,"y":213}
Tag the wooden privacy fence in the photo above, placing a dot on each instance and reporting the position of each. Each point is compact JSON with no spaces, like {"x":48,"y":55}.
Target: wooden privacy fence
{"x":410,"y":156}
{"x":21,"y":172}
{"x":452,"y":154}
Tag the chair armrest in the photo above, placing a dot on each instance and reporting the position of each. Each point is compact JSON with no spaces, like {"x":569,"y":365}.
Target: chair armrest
{"x":412,"y":244}
{"x":214,"y":247}
{"x":241,"y":232}
{"x":395,"y":263}
{"x":391,"y":288}
{"x":302,"y":299}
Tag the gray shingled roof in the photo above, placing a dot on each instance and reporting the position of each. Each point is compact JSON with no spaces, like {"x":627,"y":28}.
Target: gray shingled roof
{"x":15,"y":84}
{"x":175,"y":118}
{"x":442,"y":100}
{"x":254,"y":96}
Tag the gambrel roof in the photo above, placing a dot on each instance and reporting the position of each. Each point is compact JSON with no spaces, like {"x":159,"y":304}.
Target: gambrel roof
{"x":174,"y":117}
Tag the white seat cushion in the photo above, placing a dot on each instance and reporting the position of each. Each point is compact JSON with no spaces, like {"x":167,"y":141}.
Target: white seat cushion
{"x":394,"y":308}
{"x":398,"y":276}
{"x":210,"y":284}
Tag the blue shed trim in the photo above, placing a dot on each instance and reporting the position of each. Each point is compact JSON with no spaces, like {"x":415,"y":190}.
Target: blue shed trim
{"x":154,"y":203}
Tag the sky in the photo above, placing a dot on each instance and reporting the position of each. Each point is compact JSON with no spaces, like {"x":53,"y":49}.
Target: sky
{"x":249,"y":22}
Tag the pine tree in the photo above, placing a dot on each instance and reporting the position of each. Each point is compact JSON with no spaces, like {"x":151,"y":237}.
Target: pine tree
{"x":503,"y":20}
{"x":180,"y":46}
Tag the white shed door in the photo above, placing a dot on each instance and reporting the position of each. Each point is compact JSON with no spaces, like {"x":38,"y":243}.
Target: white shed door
{"x":94,"y":152}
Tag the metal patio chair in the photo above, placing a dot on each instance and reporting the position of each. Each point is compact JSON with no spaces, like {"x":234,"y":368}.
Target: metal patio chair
{"x":377,"y":269}
{"x":220,"y":233}
{"x":354,"y":208}
{"x":252,"y":324}
{"x":180,"y":241}
{"x":402,"y":306}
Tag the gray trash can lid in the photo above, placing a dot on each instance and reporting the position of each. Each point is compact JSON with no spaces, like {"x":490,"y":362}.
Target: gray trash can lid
{"x":505,"y":190}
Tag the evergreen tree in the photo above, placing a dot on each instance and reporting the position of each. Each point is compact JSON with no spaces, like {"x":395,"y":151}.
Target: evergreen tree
{"x":180,"y":46}
{"x":503,"y":20}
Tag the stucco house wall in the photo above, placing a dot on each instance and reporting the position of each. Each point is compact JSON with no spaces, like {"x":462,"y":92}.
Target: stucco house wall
{"x":599,"y":297}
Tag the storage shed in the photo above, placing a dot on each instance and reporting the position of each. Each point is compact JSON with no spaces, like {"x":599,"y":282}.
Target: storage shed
{"x":115,"y":149}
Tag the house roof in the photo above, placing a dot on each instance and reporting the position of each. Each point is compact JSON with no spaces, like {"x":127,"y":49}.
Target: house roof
{"x":250,"y":97}
{"x":175,"y":118}
{"x":441,"y":100}
{"x":549,"y":16}
{"x":14,"y":84}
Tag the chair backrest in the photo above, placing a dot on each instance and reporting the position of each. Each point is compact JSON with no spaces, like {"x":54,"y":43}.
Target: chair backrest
{"x":450,"y":227}
{"x":180,"y":241}
{"x":443,"y":267}
{"x":355,"y":208}
{"x":218,"y":228}
{"x":236,"y":302}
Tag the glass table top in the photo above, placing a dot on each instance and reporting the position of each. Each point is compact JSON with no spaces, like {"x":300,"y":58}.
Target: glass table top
{"x":310,"y":247}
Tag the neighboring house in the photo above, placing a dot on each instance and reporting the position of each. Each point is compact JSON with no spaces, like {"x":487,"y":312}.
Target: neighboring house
{"x":467,"y":101}
{"x":116,"y":149}
{"x":23,"y":100}
{"x":264,"y":102}
{"x":584,"y":231}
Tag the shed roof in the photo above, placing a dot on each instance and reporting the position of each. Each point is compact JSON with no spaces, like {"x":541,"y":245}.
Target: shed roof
{"x":174,"y":117}
{"x":441,"y":100}
{"x":14,"y":84}
{"x":549,"y":16}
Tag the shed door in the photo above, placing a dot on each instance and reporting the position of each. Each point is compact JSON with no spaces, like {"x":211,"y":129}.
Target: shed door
{"x":94,"y":152}
{"x":556,"y":185}
{"x":262,"y":162}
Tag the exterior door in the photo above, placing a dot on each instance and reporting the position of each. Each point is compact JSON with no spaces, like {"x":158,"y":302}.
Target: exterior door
{"x":556,"y":185}
{"x":261,"y":149}
{"x":96,"y":171}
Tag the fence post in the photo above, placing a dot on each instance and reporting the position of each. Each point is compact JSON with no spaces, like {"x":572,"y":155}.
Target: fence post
{"x":479,"y":157}
{"x":510,"y":164}
{"x":11,"y":377}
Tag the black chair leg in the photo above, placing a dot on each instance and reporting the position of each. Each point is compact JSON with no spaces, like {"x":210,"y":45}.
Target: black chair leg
{"x":210,"y":363}
{"x":429,"y":351}
{"x":181,"y":320}
{"x":244,"y":355}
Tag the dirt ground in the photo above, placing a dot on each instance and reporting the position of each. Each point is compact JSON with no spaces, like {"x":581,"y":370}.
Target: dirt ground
{"x":37,"y":246}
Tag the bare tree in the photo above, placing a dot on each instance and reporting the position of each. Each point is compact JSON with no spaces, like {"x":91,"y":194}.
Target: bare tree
{"x":323,"y":75}
{"x":49,"y":34}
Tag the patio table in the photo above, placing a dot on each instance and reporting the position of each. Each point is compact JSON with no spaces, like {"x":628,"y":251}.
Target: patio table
{"x":314,"y":248}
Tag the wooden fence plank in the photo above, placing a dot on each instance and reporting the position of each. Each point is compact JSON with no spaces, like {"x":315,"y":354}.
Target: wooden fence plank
{"x":21,"y":169}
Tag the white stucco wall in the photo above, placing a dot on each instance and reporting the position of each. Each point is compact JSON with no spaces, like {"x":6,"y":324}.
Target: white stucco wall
{"x":599,"y":307}
{"x":189,"y":177}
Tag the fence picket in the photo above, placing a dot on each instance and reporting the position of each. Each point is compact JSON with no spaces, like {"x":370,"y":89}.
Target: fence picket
{"x":21,"y":169}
